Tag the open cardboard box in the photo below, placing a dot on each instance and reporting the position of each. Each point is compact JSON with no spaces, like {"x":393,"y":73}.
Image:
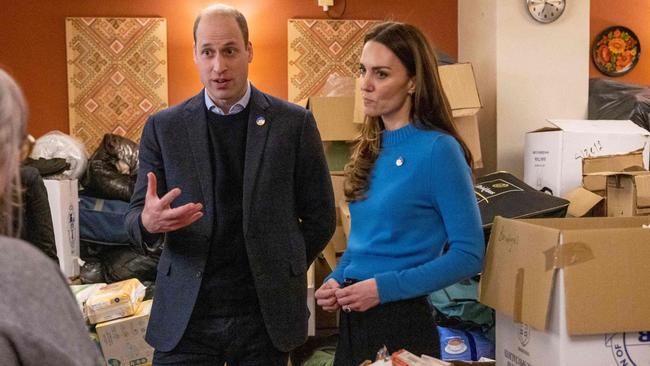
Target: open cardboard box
{"x":615,"y":178}
{"x":553,"y":155}
{"x":569,"y":291}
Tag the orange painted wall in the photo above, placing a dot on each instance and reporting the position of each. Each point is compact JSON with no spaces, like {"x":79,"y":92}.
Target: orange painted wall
{"x":632,"y":14}
{"x":32,"y":41}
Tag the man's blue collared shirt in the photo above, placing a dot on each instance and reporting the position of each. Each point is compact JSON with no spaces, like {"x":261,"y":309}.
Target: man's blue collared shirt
{"x":235,"y":108}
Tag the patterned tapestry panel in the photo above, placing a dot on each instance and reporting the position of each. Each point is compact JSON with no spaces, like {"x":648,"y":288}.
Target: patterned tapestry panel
{"x":319,"y":48}
{"x":117,"y":75}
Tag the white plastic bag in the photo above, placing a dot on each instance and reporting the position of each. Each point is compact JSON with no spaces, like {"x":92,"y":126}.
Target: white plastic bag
{"x":56,"y":144}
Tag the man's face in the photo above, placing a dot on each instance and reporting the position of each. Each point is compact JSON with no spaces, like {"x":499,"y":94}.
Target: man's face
{"x":222,"y":59}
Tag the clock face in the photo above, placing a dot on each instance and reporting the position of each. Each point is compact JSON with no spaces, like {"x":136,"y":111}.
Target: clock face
{"x":546,"y":11}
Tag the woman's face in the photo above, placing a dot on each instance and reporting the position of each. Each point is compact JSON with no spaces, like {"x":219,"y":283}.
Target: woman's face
{"x":385,"y":85}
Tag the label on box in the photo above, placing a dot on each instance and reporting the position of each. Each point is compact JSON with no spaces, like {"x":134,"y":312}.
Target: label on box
{"x":629,"y":348}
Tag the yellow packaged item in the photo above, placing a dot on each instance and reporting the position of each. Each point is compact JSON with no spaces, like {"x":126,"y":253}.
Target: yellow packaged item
{"x":114,"y":301}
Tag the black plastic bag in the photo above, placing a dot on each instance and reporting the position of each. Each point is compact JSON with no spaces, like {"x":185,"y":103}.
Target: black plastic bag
{"x":609,"y":99}
{"x":112,"y":169}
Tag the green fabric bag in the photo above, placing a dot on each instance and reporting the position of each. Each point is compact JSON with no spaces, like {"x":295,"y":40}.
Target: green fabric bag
{"x":458,"y":307}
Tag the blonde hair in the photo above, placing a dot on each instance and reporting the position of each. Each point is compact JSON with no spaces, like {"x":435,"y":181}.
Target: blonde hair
{"x":13,"y":120}
{"x":430,"y":108}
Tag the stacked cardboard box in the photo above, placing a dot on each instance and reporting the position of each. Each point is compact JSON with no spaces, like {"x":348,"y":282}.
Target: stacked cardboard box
{"x":612,"y":185}
{"x":553,"y":156}
{"x":121,"y":317}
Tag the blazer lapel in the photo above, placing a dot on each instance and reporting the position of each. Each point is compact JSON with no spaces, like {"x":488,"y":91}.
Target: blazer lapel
{"x":197,"y":134}
{"x":259,"y":123}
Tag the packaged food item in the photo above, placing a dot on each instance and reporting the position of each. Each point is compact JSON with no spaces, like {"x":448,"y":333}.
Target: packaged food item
{"x":114,"y":301}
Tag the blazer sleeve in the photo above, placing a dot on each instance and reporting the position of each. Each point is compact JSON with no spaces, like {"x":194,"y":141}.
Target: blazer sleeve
{"x":150,"y":160}
{"x":315,"y":197}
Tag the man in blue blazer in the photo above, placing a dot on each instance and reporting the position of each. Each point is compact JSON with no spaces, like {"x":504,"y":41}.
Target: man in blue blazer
{"x":234,"y":185}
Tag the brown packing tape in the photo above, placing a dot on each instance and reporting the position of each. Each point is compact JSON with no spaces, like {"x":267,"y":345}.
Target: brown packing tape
{"x":519,"y":296}
{"x":567,"y":254}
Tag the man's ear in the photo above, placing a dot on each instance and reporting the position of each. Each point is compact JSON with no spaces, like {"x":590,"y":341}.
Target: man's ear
{"x":250,"y":52}
{"x":194,"y":53}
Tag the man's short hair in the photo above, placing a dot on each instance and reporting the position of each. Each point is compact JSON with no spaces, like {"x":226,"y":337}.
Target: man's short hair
{"x":225,"y":10}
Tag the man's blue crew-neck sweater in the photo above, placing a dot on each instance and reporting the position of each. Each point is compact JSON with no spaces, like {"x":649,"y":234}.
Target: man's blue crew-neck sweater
{"x":420,"y":197}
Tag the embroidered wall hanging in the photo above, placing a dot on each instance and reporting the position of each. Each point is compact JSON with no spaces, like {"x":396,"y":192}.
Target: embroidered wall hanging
{"x":319,"y":48}
{"x":117,"y":75}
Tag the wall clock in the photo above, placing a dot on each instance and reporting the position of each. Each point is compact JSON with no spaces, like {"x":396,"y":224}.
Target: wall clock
{"x":545,"y":11}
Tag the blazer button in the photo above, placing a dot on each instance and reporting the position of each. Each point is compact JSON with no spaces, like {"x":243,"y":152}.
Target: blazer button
{"x":198,"y":274}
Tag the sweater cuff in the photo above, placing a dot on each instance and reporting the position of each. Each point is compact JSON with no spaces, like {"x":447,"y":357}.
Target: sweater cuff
{"x":337,"y":276}
{"x":387,"y":285}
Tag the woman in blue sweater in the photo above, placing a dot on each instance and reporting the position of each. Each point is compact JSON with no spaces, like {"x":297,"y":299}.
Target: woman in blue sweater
{"x":409,"y":184}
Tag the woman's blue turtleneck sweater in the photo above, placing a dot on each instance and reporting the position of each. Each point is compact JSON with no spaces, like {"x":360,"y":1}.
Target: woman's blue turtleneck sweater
{"x":420,"y":196}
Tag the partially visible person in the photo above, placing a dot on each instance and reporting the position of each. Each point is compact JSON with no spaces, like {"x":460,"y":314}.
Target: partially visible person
{"x":410,"y":187}
{"x":35,"y":211}
{"x":40,"y":322}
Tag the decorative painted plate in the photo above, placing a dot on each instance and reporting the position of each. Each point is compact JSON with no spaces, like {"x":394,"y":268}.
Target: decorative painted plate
{"x":615,"y":51}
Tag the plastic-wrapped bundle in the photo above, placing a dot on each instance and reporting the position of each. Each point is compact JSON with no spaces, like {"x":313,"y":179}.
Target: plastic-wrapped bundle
{"x":112,"y":169}
{"x":609,"y":99}
{"x":57,"y":144}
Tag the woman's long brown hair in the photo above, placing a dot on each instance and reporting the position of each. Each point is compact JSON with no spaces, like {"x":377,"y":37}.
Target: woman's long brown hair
{"x":430,"y":108}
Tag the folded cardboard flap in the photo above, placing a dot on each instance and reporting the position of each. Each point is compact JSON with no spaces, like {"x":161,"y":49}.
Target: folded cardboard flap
{"x":605,"y":295}
{"x":605,"y":126}
{"x":602,"y":267}
{"x":582,"y":201}
{"x":334,"y":117}
{"x":459,"y":84}
{"x":514,"y":280}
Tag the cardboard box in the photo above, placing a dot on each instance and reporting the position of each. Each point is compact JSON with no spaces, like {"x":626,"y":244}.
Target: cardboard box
{"x":122,"y":340}
{"x":590,"y":199}
{"x":628,"y":193}
{"x":569,"y":291}
{"x":608,"y":163}
{"x":553,"y":156}
{"x":339,"y":239}
{"x":459,"y":84}
{"x":334,"y":117}
{"x":346,"y":219}
{"x":583,"y":203}
{"x":63,"y":196}
{"x":320,"y":322}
